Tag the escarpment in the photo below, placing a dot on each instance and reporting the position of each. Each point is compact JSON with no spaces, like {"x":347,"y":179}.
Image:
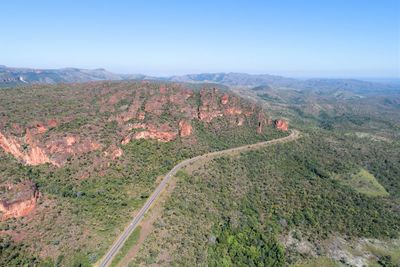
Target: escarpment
{"x":31,"y":150}
{"x":20,"y":199}
{"x":108,"y":115}
{"x":281,"y":125}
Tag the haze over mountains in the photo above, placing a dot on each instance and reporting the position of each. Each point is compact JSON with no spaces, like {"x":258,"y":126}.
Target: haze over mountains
{"x":10,"y":77}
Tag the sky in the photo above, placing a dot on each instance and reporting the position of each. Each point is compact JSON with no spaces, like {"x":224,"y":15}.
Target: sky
{"x":298,"y":38}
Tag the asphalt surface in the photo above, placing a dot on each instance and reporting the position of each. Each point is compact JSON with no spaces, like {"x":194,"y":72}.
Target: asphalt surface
{"x":107,"y":259}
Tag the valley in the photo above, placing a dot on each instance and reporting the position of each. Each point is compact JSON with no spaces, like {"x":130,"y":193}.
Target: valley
{"x":78,"y":161}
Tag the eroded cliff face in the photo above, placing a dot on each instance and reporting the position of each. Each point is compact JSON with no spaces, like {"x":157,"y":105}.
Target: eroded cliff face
{"x":32,"y":150}
{"x":185,"y":128}
{"x":150,"y":111}
{"x":28,"y":151}
{"x":181,"y":106}
{"x":281,"y":125}
{"x":21,"y":201}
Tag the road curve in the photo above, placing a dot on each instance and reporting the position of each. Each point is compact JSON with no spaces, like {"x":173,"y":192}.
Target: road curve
{"x":107,"y":259}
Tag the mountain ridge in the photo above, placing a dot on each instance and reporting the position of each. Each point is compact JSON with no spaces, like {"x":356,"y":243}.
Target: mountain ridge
{"x":10,"y":77}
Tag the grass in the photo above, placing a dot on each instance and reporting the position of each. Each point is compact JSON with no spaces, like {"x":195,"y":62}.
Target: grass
{"x":130,"y":242}
{"x":366,"y":183}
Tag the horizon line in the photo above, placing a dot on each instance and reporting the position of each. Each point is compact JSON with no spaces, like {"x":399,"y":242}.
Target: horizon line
{"x":163,"y":75}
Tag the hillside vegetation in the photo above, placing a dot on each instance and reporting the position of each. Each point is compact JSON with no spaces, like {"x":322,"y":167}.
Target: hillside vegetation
{"x":276,"y":206}
{"x":332,"y":198}
{"x":96,"y":152}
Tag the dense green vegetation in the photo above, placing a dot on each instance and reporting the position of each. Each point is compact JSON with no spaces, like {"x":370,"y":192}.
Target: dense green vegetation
{"x":235,"y":209}
{"x":218,"y":136}
{"x":12,"y":254}
{"x":245,"y":245}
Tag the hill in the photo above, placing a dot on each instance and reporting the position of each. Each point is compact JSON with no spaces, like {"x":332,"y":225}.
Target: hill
{"x":77,"y":160}
{"x":279,"y":82}
{"x":10,"y":77}
{"x":331,"y":198}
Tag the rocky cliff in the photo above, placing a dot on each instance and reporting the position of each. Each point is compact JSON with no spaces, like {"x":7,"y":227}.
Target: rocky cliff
{"x":281,"y":125}
{"x":108,"y":115}
{"x":21,"y":199}
{"x":32,"y":150}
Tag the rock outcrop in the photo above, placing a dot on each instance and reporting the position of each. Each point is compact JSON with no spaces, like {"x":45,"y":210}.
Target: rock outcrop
{"x":185,"y":128}
{"x":281,"y":125}
{"x":114,"y":152}
{"x":129,"y":111}
{"x":181,"y":106}
{"x":31,"y":151}
{"x":162,"y":133}
{"x":261,"y":120}
{"x":224,"y":99}
{"x":209,"y":107}
{"x":23,"y":200}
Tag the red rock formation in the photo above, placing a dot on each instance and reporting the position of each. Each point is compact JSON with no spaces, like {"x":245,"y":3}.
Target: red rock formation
{"x":240,"y":121}
{"x":70,"y":145}
{"x":209,"y":108}
{"x":52,"y":123}
{"x":113,"y":152}
{"x":41,"y":128}
{"x":185,"y":128}
{"x":159,"y":136}
{"x":131,"y":126}
{"x":141,"y":115}
{"x":17,"y":129}
{"x":281,"y":125}
{"x":56,"y":152}
{"x":126,"y":140}
{"x":25,"y":201}
{"x":224,"y":99}
{"x":233,"y":111}
{"x":162,"y":133}
{"x":37,"y":156}
{"x":180,"y":97}
{"x":70,"y":140}
{"x":133,"y":111}
{"x":261,"y":122}
{"x":115,"y":98}
{"x":155,"y":104}
{"x":31,"y":155}
{"x":163,"y":89}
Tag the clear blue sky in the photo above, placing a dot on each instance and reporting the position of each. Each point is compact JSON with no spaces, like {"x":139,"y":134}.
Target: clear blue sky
{"x":330,"y":38}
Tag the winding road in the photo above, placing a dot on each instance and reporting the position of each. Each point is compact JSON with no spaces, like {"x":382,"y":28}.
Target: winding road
{"x":107,"y":259}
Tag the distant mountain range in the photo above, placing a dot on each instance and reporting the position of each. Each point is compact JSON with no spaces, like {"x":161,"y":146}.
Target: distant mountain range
{"x":10,"y":77}
{"x":279,"y":82}
{"x":20,"y":76}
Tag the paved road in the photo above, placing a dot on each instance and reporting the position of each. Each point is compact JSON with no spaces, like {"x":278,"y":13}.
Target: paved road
{"x":106,"y":261}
